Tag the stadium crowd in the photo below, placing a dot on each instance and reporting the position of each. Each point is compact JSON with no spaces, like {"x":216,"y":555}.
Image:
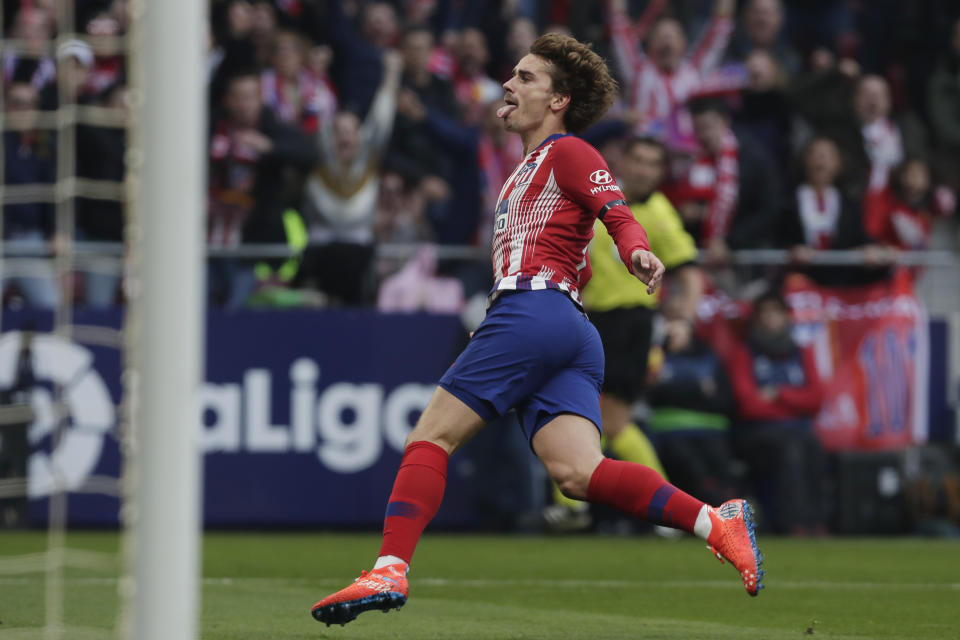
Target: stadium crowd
{"x":338,"y":127}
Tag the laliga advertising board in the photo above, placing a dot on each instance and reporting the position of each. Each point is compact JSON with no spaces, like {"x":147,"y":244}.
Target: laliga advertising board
{"x":303,"y":414}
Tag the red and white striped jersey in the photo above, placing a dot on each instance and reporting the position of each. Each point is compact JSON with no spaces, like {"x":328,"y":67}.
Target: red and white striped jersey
{"x":545,"y":215}
{"x":655,"y":93}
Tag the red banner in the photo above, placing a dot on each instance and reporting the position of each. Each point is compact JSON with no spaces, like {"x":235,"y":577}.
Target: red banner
{"x":872,"y":350}
{"x":871,"y":345}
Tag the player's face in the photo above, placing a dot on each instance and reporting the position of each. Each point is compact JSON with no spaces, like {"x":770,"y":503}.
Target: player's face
{"x":643,"y":169}
{"x":529,"y":95}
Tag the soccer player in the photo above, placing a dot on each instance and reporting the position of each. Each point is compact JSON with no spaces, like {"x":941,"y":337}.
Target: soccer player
{"x":536,"y":351}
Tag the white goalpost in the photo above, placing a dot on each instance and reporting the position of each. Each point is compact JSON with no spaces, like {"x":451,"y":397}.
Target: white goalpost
{"x":165,"y":231}
{"x":162,"y":338}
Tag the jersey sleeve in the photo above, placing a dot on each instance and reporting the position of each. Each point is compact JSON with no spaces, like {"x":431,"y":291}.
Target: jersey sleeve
{"x":583,"y":176}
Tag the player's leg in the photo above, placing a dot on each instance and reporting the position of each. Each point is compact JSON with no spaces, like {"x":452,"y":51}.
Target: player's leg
{"x":626,"y":336}
{"x":500,"y":365}
{"x":563,"y":418}
{"x":445,"y":424}
{"x":569,"y":447}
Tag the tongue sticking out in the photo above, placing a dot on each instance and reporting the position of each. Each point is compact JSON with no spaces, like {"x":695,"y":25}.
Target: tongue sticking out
{"x":505,"y":110}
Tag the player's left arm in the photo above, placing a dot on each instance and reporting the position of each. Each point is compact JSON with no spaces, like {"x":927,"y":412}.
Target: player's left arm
{"x":583,"y":176}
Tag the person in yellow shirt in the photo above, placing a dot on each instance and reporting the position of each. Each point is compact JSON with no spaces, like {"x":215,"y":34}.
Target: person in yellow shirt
{"x":623,"y":312}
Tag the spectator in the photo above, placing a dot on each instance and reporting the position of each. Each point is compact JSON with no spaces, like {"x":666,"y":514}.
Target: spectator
{"x":818,"y":215}
{"x":400,"y":212}
{"x":357,"y":55}
{"x":661,"y":77}
{"x":340,"y":198}
{"x":263,"y":31}
{"x":231,"y":51}
{"x":76,"y":62}
{"x":412,"y":152}
{"x":474,"y":88}
{"x":691,"y":402}
{"x":249,"y":151}
{"x":765,"y":112}
{"x":901,"y":214}
{"x":727,"y":199}
{"x":35,"y":26}
{"x":29,"y":159}
{"x":778,"y":393}
{"x":871,"y":139}
{"x":521,"y":32}
{"x":761,"y":30}
{"x":100,"y":156}
{"x":108,"y":68}
{"x":944,"y":101}
{"x":293,"y":92}
{"x":884,"y":141}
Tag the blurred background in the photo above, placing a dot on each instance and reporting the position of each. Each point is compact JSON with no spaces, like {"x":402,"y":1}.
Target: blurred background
{"x":812,"y":154}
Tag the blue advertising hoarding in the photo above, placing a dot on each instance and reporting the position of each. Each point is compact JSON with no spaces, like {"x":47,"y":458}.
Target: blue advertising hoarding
{"x":303,"y":415}
{"x":302,"y":418}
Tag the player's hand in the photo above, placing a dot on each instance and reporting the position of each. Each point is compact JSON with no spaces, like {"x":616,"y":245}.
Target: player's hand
{"x":648,"y":268}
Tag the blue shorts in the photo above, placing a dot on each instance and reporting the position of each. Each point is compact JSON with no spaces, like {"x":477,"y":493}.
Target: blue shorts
{"x":535,"y":352}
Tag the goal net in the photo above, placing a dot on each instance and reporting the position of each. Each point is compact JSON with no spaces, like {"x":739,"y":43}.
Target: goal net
{"x":79,"y":448}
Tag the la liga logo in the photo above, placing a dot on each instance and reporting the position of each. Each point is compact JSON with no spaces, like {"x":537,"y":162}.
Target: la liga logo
{"x":85,"y":403}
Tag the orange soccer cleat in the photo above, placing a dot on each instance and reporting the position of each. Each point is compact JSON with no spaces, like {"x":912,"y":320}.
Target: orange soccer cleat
{"x":733,"y":537}
{"x":382,"y":589}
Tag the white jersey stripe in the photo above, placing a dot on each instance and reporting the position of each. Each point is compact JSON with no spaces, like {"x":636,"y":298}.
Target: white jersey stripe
{"x":520,"y":211}
{"x":547,"y":200}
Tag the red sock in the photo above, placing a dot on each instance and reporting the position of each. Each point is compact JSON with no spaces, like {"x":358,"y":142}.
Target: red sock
{"x":417,"y":494}
{"x":643,"y":493}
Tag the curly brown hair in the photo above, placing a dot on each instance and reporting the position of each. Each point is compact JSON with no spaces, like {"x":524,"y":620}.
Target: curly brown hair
{"x":577,"y":71}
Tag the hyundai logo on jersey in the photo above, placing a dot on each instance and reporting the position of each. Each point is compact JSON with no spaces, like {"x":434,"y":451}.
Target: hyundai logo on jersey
{"x":601,"y":176}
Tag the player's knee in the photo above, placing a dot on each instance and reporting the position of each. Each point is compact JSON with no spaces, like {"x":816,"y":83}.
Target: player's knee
{"x":572,"y":482}
{"x":445,"y":443}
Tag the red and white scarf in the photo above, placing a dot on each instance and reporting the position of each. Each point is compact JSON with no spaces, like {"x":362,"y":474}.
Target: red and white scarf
{"x":819,"y":214}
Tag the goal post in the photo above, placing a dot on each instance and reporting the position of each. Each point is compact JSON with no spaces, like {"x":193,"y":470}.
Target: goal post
{"x":165,"y":228}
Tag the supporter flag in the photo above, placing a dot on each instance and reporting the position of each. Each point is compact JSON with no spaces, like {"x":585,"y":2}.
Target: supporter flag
{"x":872,"y":348}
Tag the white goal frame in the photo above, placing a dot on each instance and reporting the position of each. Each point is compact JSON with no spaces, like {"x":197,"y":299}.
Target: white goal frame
{"x":167,"y":182}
